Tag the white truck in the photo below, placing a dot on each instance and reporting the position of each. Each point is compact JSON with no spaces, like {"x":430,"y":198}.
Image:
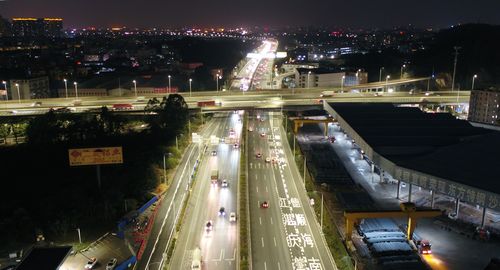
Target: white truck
{"x":326,"y":94}
{"x":196,"y":263}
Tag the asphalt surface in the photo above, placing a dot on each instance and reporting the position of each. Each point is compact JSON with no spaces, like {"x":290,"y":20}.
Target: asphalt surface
{"x":164,"y":224}
{"x":219,"y":247}
{"x":286,"y":235}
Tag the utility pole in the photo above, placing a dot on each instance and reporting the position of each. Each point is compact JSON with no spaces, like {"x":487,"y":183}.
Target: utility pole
{"x":454,"y":67}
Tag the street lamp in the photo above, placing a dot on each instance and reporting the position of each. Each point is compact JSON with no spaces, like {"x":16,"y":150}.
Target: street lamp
{"x":169,"y":83}
{"x":66,"y":87}
{"x":308,"y":80}
{"x":402,"y":67}
{"x":217,"y":78}
{"x":342,"y":84}
{"x":386,"y":81}
{"x":135,"y":87}
{"x":380,"y":74}
{"x":5,"y":87}
{"x":18,"y":94}
{"x":190,"y":81}
{"x":473,"y":79}
{"x":76,"y":89}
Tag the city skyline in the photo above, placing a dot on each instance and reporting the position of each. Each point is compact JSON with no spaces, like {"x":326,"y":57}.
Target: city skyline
{"x":260,"y":13}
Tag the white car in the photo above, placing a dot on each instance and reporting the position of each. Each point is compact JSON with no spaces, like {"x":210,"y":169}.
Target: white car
{"x":111,"y":264}
{"x":224,"y":183}
{"x":268,"y":159}
{"x":232,"y":217}
{"x":91,"y":263}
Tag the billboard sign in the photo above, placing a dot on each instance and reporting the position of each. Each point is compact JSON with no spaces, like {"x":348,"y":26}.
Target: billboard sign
{"x":95,"y":156}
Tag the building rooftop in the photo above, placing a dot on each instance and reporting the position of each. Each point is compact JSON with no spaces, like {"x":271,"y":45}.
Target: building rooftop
{"x":433,"y":143}
{"x":44,"y":258}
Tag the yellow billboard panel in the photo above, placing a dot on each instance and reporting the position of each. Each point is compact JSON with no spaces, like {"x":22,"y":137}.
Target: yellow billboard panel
{"x":95,"y":156}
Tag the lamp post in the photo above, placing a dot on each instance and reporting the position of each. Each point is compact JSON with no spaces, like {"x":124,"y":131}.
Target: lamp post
{"x":18,"y":93}
{"x":342,"y":84}
{"x":190,"y":81}
{"x":5,"y":87}
{"x":473,"y":80}
{"x":380,"y":74}
{"x":402,"y":67}
{"x":169,"y":77}
{"x":66,"y":87}
{"x":308,"y":79}
{"x":387,"y":81}
{"x":76,"y":89}
{"x":135,"y":87}
{"x":79,"y":235}
{"x":217,"y":79}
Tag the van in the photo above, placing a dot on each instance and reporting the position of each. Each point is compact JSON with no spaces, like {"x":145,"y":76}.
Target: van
{"x":196,"y":264}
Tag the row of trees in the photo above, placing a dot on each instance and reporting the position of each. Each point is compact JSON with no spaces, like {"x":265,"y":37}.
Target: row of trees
{"x":41,"y":191}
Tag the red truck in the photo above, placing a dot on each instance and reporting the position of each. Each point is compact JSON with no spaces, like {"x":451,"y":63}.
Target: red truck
{"x":207,"y":103}
{"x":122,"y":107}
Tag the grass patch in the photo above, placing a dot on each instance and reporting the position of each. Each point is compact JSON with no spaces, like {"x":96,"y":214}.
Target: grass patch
{"x":243,"y":218}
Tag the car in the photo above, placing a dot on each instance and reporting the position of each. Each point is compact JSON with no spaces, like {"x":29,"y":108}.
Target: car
{"x":209,"y":226}
{"x":263,"y":134}
{"x":232,"y":217}
{"x":264,"y":205}
{"x":214,"y":153}
{"x":36,"y":104}
{"x":222,"y":211}
{"x":250,"y":129}
{"x":91,"y":263}
{"x":224,"y":183}
{"x":111,"y":264}
{"x":268,"y":159}
{"x":236,"y":146}
{"x":258,"y":155}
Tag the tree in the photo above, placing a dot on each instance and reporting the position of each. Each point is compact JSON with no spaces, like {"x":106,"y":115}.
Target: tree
{"x":4,"y":131}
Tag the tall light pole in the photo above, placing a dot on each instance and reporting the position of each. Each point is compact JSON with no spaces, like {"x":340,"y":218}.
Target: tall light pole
{"x":5,"y":87}
{"x":169,"y":77}
{"x":342,"y":84}
{"x":454,"y":67}
{"x":217,"y":79}
{"x":76,"y":89}
{"x":135,"y":87}
{"x":402,"y":67}
{"x":308,"y":80}
{"x":473,"y":80}
{"x":66,"y":87}
{"x":380,"y":74}
{"x":386,"y":82}
{"x":18,"y":93}
{"x":190,"y":81}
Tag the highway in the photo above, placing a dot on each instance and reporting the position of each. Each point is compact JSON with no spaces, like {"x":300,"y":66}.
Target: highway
{"x":219,"y":247}
{"x":254,"y":99}
{"x":285,"y":235}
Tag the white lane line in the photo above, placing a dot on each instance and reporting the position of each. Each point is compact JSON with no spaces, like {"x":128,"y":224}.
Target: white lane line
{"x":274,"y":238}
{"x":262,"y":240}
{"x":267,"y":189}
{"x":255,"y":177}
{"x":260,"y":221}
{"x":265,"y":266}
{"x":279,"y":266}
{"x":271,"y":220}
{"x":257,"y":189}
{"x":264,"y":177}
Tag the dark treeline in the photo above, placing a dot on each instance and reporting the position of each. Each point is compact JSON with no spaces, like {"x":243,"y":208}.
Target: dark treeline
{"x":40,"y":191}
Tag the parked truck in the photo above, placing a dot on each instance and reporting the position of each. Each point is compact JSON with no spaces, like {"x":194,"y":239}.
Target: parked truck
{"x":326,"y":94}
{"x":208,"y":103}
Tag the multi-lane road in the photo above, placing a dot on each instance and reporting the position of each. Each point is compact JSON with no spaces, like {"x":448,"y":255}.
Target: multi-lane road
{"x":285,"y":235}
{"x":219,"y":246}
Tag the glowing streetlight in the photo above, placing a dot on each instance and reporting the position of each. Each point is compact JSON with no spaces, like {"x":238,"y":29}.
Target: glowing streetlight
{"x":386,"y":81}
{"x":402,"y":67}
{"x":135,"y":87}
{"x":76,"y":89}
{"x":66,"y":87}
{"x":217,"y":79}
{"x":473,"y":80}
{"x":342,"y":84}
{"x":5,"y":87}
{"x":18,"y":93}
{"x":308,"y":80}
{"x":190,"y":81}
{"x":169,"y":87}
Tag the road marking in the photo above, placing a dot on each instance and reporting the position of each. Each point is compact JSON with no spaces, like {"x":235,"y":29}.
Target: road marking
{"x":271,"y":220}
{"x":264,"y":177}
{"x":267,"y":189}
{"x":260,"y":221}
{"x":262,"y":240}
{"x":255,"y":177}
{"x":279,"y":266}
{"x":265,"y":266}
{"x":257,"y":188}
{"x":274,"y":238}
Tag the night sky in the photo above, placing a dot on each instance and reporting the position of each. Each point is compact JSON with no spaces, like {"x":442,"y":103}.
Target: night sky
{"x":266,"y":13}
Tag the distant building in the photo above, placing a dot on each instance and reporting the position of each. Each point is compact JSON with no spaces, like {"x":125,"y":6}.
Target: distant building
{"x":310,"y":78}
{"x":29,"y":88}
{"x":37,"y":27}
{"x":4,"y":27}
{"x":484,"y":106}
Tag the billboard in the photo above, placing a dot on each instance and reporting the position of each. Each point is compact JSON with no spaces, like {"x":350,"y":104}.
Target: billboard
{"x":95,"y":156}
